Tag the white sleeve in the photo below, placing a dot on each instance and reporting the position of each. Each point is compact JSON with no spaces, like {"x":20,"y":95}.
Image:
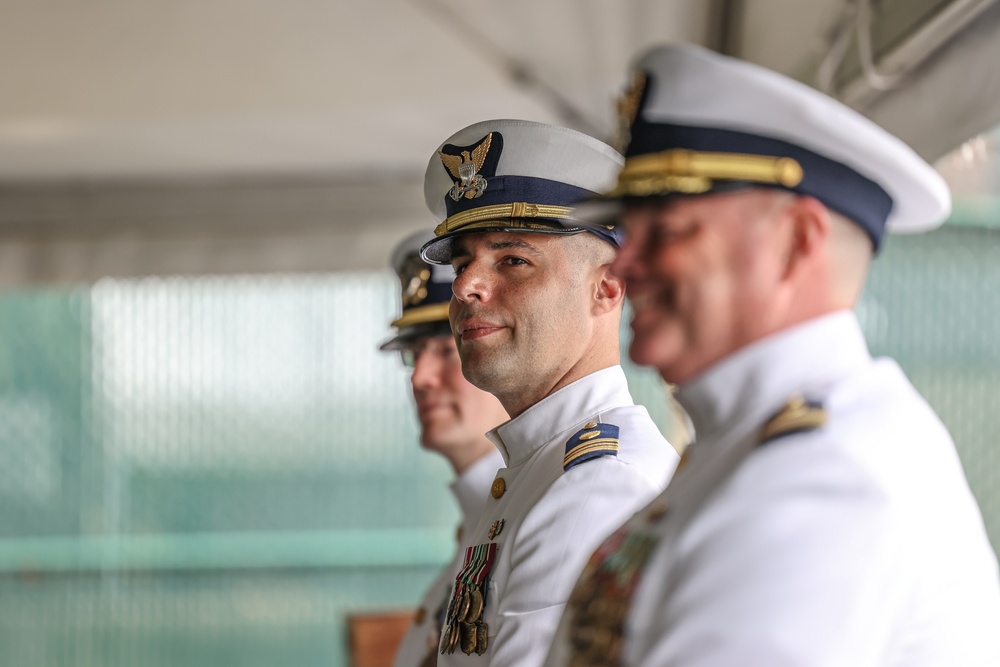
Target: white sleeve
{"x":794,"y":571}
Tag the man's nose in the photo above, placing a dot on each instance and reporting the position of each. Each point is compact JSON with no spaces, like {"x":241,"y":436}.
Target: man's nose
{"x":626,"y":258}
{"x":471,"y":284}
{"x":426,"y":370}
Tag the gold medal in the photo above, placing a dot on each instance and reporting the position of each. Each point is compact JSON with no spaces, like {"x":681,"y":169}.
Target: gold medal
{"x":456,"y":600}
{"x":599,"y":608}
{"x":619,"y":609}
{"x":475,"y":606}
{"x":482,"y":637}
{"x":616,"y":645}
{"x":449,"y":638}
{"x":469,"y":639}
{"x":443,"y":645}
{"x":603,"y":639}
{"x":463,"y":606}
{"x":581,"y":635}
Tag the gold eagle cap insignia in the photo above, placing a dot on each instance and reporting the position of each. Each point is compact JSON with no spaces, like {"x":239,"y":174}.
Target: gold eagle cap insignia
{"x":413,"y":278}
{"x":627,"y":107}
{"x":465,"y":168}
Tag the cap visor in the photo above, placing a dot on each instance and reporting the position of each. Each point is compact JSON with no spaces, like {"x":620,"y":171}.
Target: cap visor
{"x":597,"y":212}
{"x":439,"y":251}
{"x":407,"y":336}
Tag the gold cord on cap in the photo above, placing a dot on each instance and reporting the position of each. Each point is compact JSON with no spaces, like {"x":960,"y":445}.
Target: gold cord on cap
{"x":502,"y":212}
{"x":691,"y":172}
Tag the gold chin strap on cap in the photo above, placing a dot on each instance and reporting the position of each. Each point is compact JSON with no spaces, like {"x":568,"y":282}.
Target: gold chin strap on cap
{"x":435,"y":312}
{"x":511,"y":215}
{"x":690,"y":172}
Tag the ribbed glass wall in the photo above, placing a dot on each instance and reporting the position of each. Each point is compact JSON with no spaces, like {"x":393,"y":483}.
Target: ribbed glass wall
{"x":209,"y":471}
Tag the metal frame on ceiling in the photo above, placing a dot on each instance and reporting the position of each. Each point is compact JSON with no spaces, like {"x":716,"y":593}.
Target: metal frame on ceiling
{"x":880,"y":73}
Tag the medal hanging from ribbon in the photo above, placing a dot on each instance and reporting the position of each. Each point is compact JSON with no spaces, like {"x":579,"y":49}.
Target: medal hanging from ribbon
{"x":463,"y":625}
{"x":434,"y":638}
{"x":600,"y":601}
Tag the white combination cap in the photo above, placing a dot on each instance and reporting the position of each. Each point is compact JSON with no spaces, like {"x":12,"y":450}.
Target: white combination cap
{"x":696,"y":122}
{"x":515,"y":176}
{"x":425,"y":292}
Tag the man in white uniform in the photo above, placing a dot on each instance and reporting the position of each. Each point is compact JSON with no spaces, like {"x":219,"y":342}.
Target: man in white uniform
{"x":454,"y":417}
{"x":822,"y":516}
{"x":536,"y":314}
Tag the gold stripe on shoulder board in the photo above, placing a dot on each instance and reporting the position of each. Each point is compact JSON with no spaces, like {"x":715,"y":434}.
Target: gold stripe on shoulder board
{"x":796,"y":415}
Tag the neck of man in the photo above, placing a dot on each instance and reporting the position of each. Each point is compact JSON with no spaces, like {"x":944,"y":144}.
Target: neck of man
{"x":816,"y":298}
{"x":521,"y":397}
{"x":462,"y":458}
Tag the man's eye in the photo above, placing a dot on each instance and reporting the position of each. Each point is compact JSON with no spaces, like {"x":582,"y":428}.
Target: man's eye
{"x":459,"y":268}
{"x":662,"y":234}
{"x":514,"y":261}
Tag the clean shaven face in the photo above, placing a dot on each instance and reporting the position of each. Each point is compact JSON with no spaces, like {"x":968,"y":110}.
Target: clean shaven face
{"x":699,"y":272}
{"x":453,"y":414}
{"x":521,"y":310}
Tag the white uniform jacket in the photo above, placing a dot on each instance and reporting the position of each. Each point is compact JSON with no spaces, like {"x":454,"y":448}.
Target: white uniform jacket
{"x":546,"y":520}
{"x":471,"y":489}
{"x":851,"y":542}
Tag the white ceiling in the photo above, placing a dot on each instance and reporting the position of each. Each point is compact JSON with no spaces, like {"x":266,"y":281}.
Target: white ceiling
{"x":255,"y":135}
{"x":125,"y":123}
{"x":124,"y":89}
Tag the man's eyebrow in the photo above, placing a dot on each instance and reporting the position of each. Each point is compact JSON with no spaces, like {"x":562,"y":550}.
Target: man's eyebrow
{"x":516,"y":244}
{"x":459,"y":250}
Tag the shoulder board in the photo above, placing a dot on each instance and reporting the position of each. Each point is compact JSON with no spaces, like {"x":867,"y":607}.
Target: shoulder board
{"x":592,"y":441}
{"x":797,"y":416}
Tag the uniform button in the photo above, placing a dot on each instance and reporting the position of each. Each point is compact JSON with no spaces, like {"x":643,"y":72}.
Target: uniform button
{"x":499,"y":488}
{"x":657,"y":511}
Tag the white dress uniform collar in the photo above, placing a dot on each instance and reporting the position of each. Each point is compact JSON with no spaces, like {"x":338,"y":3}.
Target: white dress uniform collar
{"x":522,"y":436}
{"x":747,"y":388}
{"x":472,"y":486}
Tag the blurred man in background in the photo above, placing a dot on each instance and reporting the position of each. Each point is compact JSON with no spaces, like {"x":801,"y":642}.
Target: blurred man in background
{"x":536,"y":314}
{"x":454,"y":417}
{"x":821,"y":516}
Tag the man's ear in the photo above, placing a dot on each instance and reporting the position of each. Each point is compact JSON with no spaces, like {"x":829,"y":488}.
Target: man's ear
{"x":810,"y":231}
{"x":609,"y":290}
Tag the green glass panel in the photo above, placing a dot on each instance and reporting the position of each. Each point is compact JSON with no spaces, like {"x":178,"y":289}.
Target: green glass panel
{"x":218,"y":470}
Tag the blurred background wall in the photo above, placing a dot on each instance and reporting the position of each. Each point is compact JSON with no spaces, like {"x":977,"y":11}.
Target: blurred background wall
{"x":203,"y":458}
